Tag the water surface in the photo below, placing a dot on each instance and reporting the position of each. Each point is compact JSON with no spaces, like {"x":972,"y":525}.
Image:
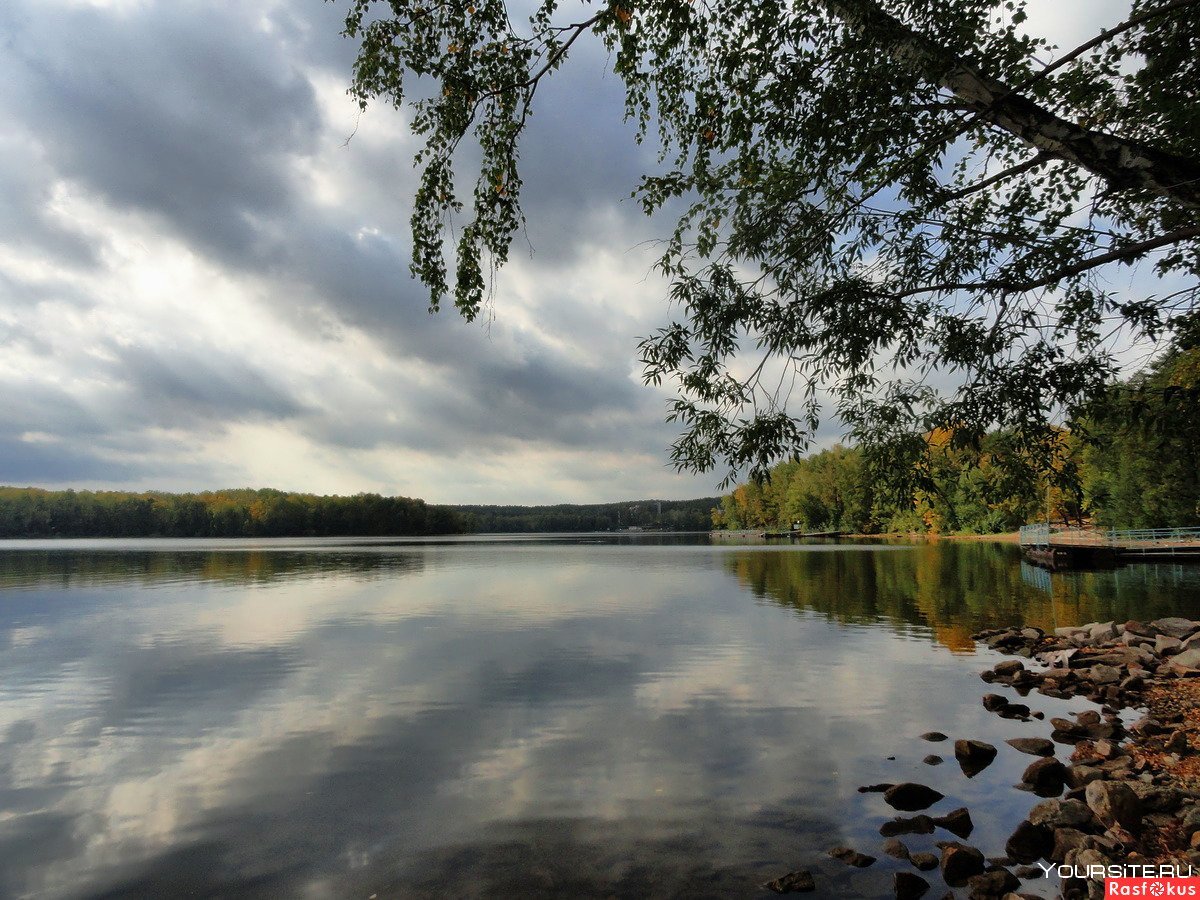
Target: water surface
{"x":566,"y":716}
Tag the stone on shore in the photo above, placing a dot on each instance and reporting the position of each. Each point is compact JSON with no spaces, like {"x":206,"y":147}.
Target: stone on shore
{"x":1062,"y":814}
{"x":1046,"y":776}
{"x":1114,"y":803}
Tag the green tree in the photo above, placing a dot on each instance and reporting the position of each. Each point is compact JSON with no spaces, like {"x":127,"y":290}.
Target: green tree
{"x":875,"y":191}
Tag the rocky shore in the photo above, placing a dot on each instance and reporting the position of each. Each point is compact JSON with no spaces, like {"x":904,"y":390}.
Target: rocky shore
{"x":1128,"y":794}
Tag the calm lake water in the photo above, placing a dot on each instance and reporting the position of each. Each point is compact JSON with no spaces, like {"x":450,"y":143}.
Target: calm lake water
{"x":566,"y":716}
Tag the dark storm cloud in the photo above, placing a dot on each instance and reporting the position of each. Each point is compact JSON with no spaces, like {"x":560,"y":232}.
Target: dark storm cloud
{"x":207,"y":120}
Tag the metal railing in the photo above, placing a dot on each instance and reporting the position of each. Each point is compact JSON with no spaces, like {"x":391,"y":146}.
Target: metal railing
{"x":1043,"y":535}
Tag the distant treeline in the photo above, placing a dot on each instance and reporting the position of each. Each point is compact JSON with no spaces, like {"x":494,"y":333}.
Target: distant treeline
{"x":1135,"y":463}
{"x":671,"y":515}
{"x":32,"y":512}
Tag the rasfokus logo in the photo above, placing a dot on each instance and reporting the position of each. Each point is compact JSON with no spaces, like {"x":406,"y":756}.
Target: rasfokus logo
{"x":1132,"y":880}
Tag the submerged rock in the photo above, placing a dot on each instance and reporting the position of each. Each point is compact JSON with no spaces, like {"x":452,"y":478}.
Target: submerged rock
{"x":895,"y":848}
{"x":933,"y":736}
{"x":957,"y":822}
{"x":800,"y":882}
{"x":973,"y":756}
{"x":1033,"y":745}
{"x":908,"y":886}
{"x":933,"y":760}
{"x":910,"y":796}
{"x":960,"y":862}
{"x":907,"y":825}
{"x":852,"y":857}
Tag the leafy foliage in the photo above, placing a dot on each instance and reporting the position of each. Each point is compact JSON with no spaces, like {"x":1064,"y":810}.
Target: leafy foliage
{"x":897,"y":206}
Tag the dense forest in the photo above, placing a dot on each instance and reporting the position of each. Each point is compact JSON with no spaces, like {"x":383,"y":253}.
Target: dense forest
{"x":32,"y":512}
{"x":1135,"y":463}
{"x":670,"y":515}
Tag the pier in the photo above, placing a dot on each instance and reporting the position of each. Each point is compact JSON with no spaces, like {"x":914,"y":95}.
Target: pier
{"x":1084,"y":548}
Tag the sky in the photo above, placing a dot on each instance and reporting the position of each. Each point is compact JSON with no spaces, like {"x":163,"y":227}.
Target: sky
{"x":204,"y":272}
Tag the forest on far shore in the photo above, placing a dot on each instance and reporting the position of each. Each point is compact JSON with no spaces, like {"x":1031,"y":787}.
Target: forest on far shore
{"x":1134,"y":464}
{"x":34,"y":512}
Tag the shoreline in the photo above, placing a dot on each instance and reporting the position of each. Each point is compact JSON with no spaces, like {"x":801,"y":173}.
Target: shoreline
{"x":1125,"y":800}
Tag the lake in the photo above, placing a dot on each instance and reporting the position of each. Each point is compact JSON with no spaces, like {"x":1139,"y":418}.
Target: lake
{"x":585,"y":715}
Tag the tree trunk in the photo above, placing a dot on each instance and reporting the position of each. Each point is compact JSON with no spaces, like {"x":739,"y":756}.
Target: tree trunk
{"x":1126,"y":165}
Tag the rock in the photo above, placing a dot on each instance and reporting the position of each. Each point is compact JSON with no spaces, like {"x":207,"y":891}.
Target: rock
{"x":957,"y":822}
{"x":992,"y":884}
{"x":973,"y":756}
{"x":960,"y":862}
{"x":1066,"y":725}
{"x":1165,"y":642}
{"x":1079,"y":776}
{"x":1175,"y":626}
{"x":1188,"y":659}
{"x":908,"y":886}
{"x":909,"y":796}
{"x":1046,"y":776}
{"x":800,"y":882}
{"x":1114,"y":803}
{"x":933,"y":760}
{"x":852,"y":857}
{"x":1008,"y":667}
{"x":926,"y":862}
{"x":1189,"y":822}
{"x":1105,"y":674}
{"x":902,"y":825}
{"x":895,"y":848}
{"x":933,"y":736}
{"x":875,"y":788}
{"x":994,"y":702}
{"x":1034,"y":745}
{"x":1062,"y":814}
{"x":1106,"y":749}
{"x":1013,"y":711}
{"x":1027,"y":872}
{"x":1066,"y":840}
{"x":1178,"y":743}
{"x":1030,"y":842}
{"x":1155,"y":798}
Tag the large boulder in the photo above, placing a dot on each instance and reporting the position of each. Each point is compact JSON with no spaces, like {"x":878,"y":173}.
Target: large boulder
{"x":1114,"y":803}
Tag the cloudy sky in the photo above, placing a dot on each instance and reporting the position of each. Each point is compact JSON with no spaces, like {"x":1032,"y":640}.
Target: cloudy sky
{"x":204,"y":284}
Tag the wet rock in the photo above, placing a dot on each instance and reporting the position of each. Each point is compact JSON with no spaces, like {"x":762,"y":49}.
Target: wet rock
{"x":1014,"y":711}
{"x":907,"y":825}
{"x":852,"y":857}
{"x":1068,"y":727}
{"x":992,"y":884}
{"x":876,"y":788}
{"x":933,"y":736}
{"x":1030,"y":842}
{"x":994,"y":702}
{"x":1114,"y":803}
{"x":926,"y":862}
{"x":909,"y":796}
{"x":1045,"y":776}
{"x":957,"y":822}
{"x":1062,"y":814}
{"x":1033,"y":745}
{"x":1008,"y":668}
{"x":800,"y":882}
{"x":960,"y":862}
{"x":895,"y":848}
{"x":908,"y":886}
{"x":973,"y":756}
{"x":933,"y":760}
